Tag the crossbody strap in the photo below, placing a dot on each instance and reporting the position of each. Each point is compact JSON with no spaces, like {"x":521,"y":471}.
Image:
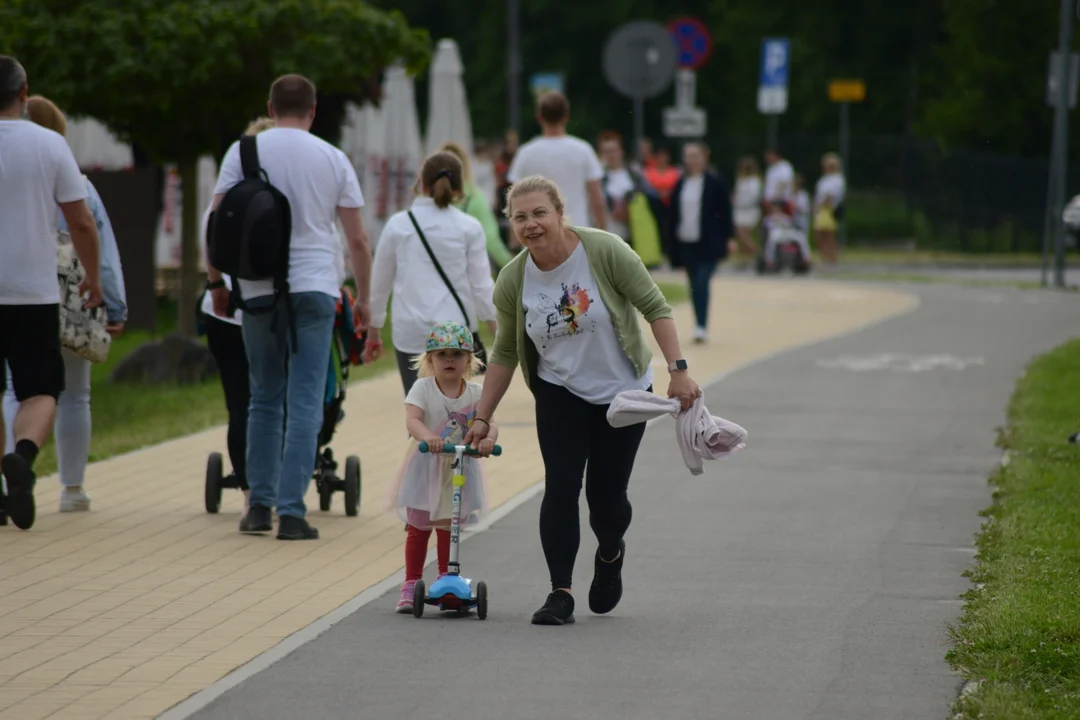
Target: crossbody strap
{"x":439,"y":268}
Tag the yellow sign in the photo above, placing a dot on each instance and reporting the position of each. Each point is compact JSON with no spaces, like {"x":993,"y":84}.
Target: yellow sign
{"x":847,"y":91}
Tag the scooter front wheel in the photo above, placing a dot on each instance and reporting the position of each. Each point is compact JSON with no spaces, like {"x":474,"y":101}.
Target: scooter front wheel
{"x":419,"y":599}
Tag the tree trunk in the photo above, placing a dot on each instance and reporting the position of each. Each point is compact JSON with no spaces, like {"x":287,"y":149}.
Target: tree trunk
{"x":189,"y":248}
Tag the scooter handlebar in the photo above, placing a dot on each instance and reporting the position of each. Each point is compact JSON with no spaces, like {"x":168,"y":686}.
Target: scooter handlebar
{"x":451,"y":449}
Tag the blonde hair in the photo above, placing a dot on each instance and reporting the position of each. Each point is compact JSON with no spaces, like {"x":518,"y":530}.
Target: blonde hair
{"x":831,"y":162}
{"x":453,"y":147}
{"x":43,"y":111}
{"x":748,"y":167}
{"x":531,"y":184}
{"x":424,"y":364}
{"x":258,"y":126}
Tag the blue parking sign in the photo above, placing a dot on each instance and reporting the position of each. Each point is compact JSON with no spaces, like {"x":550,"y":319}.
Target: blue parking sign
{"x":773,"y":82}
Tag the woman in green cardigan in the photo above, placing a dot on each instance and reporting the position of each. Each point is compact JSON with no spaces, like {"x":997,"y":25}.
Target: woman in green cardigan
{"x":474,"y":202}
{"x":568,"y":315}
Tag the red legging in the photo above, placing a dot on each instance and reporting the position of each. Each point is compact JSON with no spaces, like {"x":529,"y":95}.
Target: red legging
{"x":416,"y":545}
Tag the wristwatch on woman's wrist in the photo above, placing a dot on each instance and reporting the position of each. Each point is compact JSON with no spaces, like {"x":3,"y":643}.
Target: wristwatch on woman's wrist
{"x":677,"y":366}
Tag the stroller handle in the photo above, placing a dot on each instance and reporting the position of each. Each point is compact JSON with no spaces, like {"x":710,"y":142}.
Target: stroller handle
{"x":451,"y":449}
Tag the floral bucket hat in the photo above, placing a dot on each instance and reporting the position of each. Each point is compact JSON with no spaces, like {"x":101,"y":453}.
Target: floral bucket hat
{"x":450,"y":335}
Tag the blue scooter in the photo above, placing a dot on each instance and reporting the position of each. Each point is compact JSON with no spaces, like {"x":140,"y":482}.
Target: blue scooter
{"x":451,"y":591}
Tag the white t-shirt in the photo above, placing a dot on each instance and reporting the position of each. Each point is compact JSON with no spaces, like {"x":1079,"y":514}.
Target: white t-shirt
{"x":568,"y":161}
{"x":37,"y":171}
{"x":693,"y":188}
{"x":574,"y":334}
{"x":832,"y":185}
{"x":619,"y":184}
{"x":317,"y":179}
{"x":779,"y":182}
{"x":447,"y":417}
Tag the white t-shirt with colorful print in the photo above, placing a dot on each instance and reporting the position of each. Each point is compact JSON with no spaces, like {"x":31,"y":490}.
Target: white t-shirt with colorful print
{"x":423,"y":492}
{"x":574,"y":334}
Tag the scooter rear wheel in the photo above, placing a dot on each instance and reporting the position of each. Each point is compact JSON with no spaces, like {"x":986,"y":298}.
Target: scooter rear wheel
{"x":481,"y":600}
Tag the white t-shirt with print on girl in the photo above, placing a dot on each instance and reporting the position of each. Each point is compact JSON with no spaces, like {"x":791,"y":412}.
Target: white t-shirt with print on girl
{"x":423,"y":493}
{"x":573,"y":332}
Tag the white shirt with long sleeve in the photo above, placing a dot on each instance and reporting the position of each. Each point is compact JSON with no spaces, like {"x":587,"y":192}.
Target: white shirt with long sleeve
{"x":701,"y":436}
{"x":420,"y":297}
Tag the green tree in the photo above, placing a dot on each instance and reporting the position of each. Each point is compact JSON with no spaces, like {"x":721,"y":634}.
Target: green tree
{"x":173,"y":75}
{"x":987,"y":85}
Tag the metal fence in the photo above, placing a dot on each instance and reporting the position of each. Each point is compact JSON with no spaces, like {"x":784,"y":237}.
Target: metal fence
{"x":905,"y":189}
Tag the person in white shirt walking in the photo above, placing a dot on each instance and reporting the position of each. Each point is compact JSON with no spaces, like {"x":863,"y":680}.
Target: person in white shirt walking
{"x":568,"y":161}
{"x":39,"y":181}
{"x":288,"y":369}
{"x":421,"y":298}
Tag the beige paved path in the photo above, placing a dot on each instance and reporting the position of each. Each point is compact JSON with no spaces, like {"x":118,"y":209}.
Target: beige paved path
{"x":125,"y":611}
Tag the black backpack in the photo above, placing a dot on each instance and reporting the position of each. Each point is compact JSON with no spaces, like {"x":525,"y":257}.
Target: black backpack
{"x":250,"y":233}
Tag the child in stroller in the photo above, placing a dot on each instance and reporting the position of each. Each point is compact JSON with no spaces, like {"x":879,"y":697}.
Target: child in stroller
{"x":786,"y":244}
{"x":346,"y":350}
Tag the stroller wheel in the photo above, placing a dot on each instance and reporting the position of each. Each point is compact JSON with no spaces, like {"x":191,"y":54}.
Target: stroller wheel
{"x":212,"y":492}
{"x":326,"y":493}
{"x":352,"y":485}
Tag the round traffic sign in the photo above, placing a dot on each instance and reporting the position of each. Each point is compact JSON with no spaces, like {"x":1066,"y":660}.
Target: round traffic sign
{"x":639,"y":59}
{"x":693,"y":41}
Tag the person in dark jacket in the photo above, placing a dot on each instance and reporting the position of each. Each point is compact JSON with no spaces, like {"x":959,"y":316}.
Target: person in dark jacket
{"x":701,"y":226}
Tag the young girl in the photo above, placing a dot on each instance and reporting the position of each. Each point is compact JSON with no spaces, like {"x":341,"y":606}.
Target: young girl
{"x":439,"y":409}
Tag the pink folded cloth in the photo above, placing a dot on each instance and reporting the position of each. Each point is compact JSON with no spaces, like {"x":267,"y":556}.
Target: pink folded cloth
{"x":701,"y":436}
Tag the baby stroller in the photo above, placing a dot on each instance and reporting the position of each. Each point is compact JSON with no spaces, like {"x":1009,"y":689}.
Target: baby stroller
{"x":346,"y":349}
{"x":786,"y":244}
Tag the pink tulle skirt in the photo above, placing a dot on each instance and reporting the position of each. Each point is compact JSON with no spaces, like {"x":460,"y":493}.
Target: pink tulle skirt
{"x":423,"y":491}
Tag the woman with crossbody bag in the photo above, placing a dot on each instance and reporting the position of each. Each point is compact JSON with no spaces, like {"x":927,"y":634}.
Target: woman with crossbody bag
{"x":433,"y":258}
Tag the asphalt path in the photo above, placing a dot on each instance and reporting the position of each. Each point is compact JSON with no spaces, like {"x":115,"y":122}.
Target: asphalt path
{"x":811,"y":576}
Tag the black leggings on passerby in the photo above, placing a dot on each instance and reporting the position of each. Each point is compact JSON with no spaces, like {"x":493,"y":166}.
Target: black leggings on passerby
{"x":226,"y":343}
{"x":576,"y":440}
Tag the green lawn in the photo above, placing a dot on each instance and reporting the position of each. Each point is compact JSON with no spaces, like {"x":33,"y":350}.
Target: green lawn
{"x":1019,"y":636}
{"x":127,"y":417}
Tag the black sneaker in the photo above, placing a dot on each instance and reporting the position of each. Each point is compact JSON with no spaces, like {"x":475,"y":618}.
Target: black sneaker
{"x":294,"y":528}
{"x":558,"y":609}
{"x":606,"y":589}
{"x":257,"y":520}
{"x":19,"y":503}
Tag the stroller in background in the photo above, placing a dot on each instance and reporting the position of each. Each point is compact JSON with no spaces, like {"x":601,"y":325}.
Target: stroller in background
{"x":346,"y":349}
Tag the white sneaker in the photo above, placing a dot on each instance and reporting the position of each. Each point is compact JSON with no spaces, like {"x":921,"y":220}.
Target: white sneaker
{"x":699,"y":335}
{"x":74,"y":500}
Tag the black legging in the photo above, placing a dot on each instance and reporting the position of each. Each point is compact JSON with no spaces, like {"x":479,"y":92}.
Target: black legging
{"x":226,"y":342}
{"x":408,"y":375}
{"x":574,"y":434}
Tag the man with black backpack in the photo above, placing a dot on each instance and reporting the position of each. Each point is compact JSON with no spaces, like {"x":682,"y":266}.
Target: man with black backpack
{"x":273,"y":232}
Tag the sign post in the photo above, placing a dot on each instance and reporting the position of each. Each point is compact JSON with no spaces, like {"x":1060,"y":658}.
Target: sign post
{"x":772,"y":99}
{"x":1061,"y":86}
{"x":845,"y":92}
{"x":693,"y":45}
{"x":639,"y":62}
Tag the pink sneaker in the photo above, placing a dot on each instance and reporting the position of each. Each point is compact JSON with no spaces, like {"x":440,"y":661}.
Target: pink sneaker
{"x":405,"y":602}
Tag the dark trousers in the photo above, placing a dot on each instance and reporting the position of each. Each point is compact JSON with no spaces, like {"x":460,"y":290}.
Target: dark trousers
{"x":226,"y":343}
{"x":699,"y":271}
{"x":408,"y":375}
{"x":576,"y":441}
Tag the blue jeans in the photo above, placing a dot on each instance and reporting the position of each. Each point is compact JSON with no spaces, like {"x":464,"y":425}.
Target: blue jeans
{"x":699,"y":271}
{"x":287,"y":390}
